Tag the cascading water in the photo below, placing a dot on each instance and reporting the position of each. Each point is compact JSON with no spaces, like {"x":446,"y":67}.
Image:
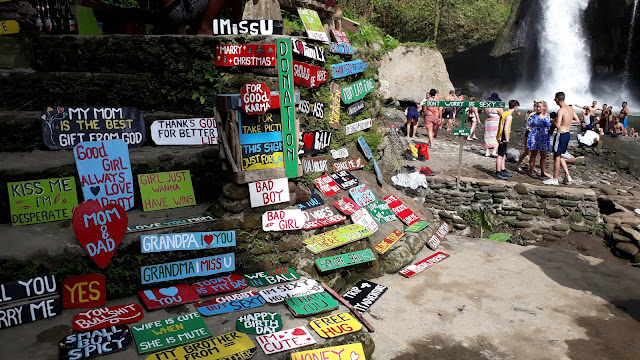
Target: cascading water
{"x":627,"y":59}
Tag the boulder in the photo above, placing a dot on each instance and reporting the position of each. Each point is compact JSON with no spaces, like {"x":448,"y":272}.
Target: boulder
{"x":626,"y":250}
{"x":235,"y":192}
{"x":262,"y":9}
{"x":394,"y":115}
{"x":396,"y":259}
{"x":303,"y":193}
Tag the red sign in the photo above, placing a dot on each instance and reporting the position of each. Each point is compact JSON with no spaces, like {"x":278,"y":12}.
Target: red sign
{"x":108,"y":316}
{"x":346,"y":206}
{"x":439,"y":235}
{"x":222,"y":284}
{"x":340,"y":37}
{"x":314,"y":224}
{"x":423,"y":264}
{"x":167,"y":297}
{"x":307,"y":75}
{"x":84,"y":291}
{"x":401,"y":210}
{"x":256,"y":98}
{"x":326,"y":185}
{"x":226,"y":298}
{"x":246,"y":55}
{"x":99,"y":229}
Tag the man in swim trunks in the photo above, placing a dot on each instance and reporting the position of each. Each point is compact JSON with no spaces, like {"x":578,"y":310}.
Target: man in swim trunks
{"x":412,"y":121}
{"x":566,"y":117}
{"x":449,"y":112}
{"x":624,"y":114}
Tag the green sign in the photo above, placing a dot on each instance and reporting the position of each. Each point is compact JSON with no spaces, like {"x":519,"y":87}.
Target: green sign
{"x":344,"y":260}
{"x":357,"y":90}
{"x":417,"y":226}
{"x":381,"y":211}
{"x":38,"y":201}
{"x":271,"y":277}
{"x":478,"y":104}
{"x":335,"y":238}
{"x":287,"y":108}
{"x":313,"y":24}
{"x":259,"y":323}
{"x":166,"y":190}
{"x":311,"y":304}
{"x":462,"y":132}
{"x":171,"y":332}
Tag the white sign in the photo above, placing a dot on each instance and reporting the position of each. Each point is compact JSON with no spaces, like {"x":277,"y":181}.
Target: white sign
{"x":269,"y":192}
{"x":358,"y":126}
{"x":340,"y":153}
{"x":280,"y":220}
{"x":363,"y":218}
{"x":285,"y":340}
{"x":280,"y":292}
{"x":185,"y":132}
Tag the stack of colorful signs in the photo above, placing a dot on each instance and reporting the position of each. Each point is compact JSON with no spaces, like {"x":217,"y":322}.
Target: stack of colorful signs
{"x":261,"y":140}
{"x":19,"y":306}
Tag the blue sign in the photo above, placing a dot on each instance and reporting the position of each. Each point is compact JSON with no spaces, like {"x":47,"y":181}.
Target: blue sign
{"x":348,"y":68}
{"x":230,"y":306}
{"x":104,"y":170}
{"x":378,"y":172}
{"x":188,"y":268}
{"x":187,"y":241}
{"x":316,"y":200}
{"x":338,"y":48}
{"x":362,"y":195}
{"x":365,"y":147}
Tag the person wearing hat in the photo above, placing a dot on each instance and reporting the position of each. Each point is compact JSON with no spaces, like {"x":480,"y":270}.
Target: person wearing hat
{"x":431,"y":116}
{"x":491,"y":124}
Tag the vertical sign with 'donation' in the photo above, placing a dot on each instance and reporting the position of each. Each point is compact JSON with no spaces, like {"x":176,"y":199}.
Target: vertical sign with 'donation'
{"x":335,"y":325}
{"x":232,"y":345}
{"x":114,"y":315}
{"x":84,"y":291}
{"x":94,"y":343}
{"x":171,"y":332}
{"x":269,"y":192}
{"x":166,"y":297}
{"x":363,"y":294}
{"x":285,"y":340}
{"x":287,"y":107}
{"x":104,"y":169}
{"x":38,"y":201}
{"x":166,"y":190}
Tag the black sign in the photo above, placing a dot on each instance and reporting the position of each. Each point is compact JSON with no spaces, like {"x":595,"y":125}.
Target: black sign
{"x":314,"y":142}
{"x":30,"y":312}
{"x":316,"y":200}
{"x":271,"y":121}
{"x":249,"y":27}
{"x":22,"y":289}
{"x":317,"y":109}
{"x":65,"y":127}
{"x":363,"y":294}
{"x":355,"y":108}
{"x":94,"y":343}
{"x":345,"y":179}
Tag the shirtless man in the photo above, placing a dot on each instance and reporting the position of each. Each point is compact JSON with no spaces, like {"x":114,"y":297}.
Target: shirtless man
{"x":450,"y":113}
{"x":603,"y":119}
{"x":624,"y":114}
{"x":566,"y":117}
{"x":618,"y":128}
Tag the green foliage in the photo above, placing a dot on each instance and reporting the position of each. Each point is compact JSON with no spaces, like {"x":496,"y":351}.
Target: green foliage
{"x":471,"y":216}
{"x":499,"y":237}
{"x":596,"y":229}
{"x":484,"y":221}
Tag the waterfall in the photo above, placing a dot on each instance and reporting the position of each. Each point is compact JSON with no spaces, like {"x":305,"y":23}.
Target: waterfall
{"x":627,"y":59}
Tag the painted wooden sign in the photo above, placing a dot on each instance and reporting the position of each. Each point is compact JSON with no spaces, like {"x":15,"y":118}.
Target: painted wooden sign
{"x":316,"y":109}
{"x":259,"y":323}
{"x":66,"y":127}
{"x":187,"y":241}
{"x":312,"y":304}
{"x":326,"y":185}
{"x":417,"y":226}
{"x":23,"y":289}
{"x":280,"y":292}
{"x":113,"y":315}
{"x":345,"y":179}
{"x":423,"y":264}
{"x":188,"y":268}
{"x":30,"y":312}
{"x":388,"y":242}
{"x":355,"y":108}
{"x":267,"y":155}
{"x":340,"y":153}
{"x":362,"y":195}
{"x":197,"y":131}
{"x":331,"y":220}
{"x":348,"y":68}
{"x":222,"y":284}
{"x":167,"y":297}
{"x":99,"y":229}
{"x":249,"y":27}
{"x":363,"y":218}
{"x":45,"y":200}
{"x":256,"y":98}
{"x":357,"y":90}
{"x":287,"y":107}
{"x":401,"y":210}
{"x":166,"y":190}
{"x":285,"y":340}
{"x":269,"y":192}
{"x":94,"y":343}
{"x":314,"y":164}
{"x":226,"y":298}
{"x":104,"y":170}
{"x":272,"y":277}
{"x":260,"y":128}
{"x":334,"y":107}
{"x":378,"y":172}
{"x":363,"y":294}
{"x":337,"y":48}
{"x":309,"y":76}
{"x":344,"y":302}
{"x":318,"y":213}
{"x":230,"y":306}
{"x":308,"y":50}
{"x":365,"y":147}
{"x":171,"y":332}
{"x":344,"y":260}
{"x":9,"y":27}
{"x":230,"y":346}
{"x":335,"y":325}
{"x":340,"y":352}
{"x":246,"y":55}
{"x":438,"y":235}
{"x":315,"y":141}
{"x":312,"y":24}
{"x":358,"y":126}
{"x":346,"y":165}
{"x":340,"y":37}
{"x":282,"y":220}
{"x":336,"y":238}
{"x":316,"y":200}
{"x":85,"y":291}
{"x":381,"y":212}
{"x":346,"y":206}
{"x":168,"y":224}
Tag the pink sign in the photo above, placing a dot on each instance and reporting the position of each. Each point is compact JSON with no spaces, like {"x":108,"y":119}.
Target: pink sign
{"x":108,"y":316}
{"x":314,"y":224}
{"x":346,"y":206}
{"x":327,"y":185}
{"x":401,"y":210}
{"x":340,"y":37}
{"x":256,"y":98}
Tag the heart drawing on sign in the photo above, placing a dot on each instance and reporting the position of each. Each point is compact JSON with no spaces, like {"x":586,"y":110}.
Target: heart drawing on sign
{"x":308,"y":141}
{"x":300,"y":47}
{"x":298,"y":331}
{"x":99,"y":229}
{"x":354,"y":355}
{"x":95,"y":190}
{"x":208,"y":239}
{"x":172,"y":291}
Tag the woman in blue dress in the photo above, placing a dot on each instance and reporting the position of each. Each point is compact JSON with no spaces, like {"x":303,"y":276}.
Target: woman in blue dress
{"x":538,"y":140}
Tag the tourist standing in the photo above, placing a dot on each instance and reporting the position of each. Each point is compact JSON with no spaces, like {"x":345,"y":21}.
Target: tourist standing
{"x":566,"y":116}
{"x":491,"y":127}
{"x":431,"y":116}
{"x":449,"y":113}
{"x":412,"y":121}
{"x":474,"y":117}
{"x":503,"y":135}
{"x":624,"y":114}
{"x":538,"y":139}
{"x":524,"y":153}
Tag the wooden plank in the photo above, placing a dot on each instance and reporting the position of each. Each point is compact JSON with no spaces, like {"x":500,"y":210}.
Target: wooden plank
{"x":243,"y":177}
{"x":224,"y":141}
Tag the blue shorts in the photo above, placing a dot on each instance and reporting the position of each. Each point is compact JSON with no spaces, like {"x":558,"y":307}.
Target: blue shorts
{"x":412,"y":113}
{"x":561,"y":142}
{"x":624,"y":122}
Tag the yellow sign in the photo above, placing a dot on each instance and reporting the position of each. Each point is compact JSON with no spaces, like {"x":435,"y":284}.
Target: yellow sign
{"x":335,"y":238}
{"x":9,"y":27}
{"x":233,"y":345}
{"x":335,"y":325}
{"x":388,"y":242}
{"x":342,"y":352}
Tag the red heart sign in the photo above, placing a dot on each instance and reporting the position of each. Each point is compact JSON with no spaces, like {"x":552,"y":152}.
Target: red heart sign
{"x":308,"y":140}
{"x":300,"y":47}
{"x":99,"y":230}
{"x":298,"y":331}
{"x":208,"y":239}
